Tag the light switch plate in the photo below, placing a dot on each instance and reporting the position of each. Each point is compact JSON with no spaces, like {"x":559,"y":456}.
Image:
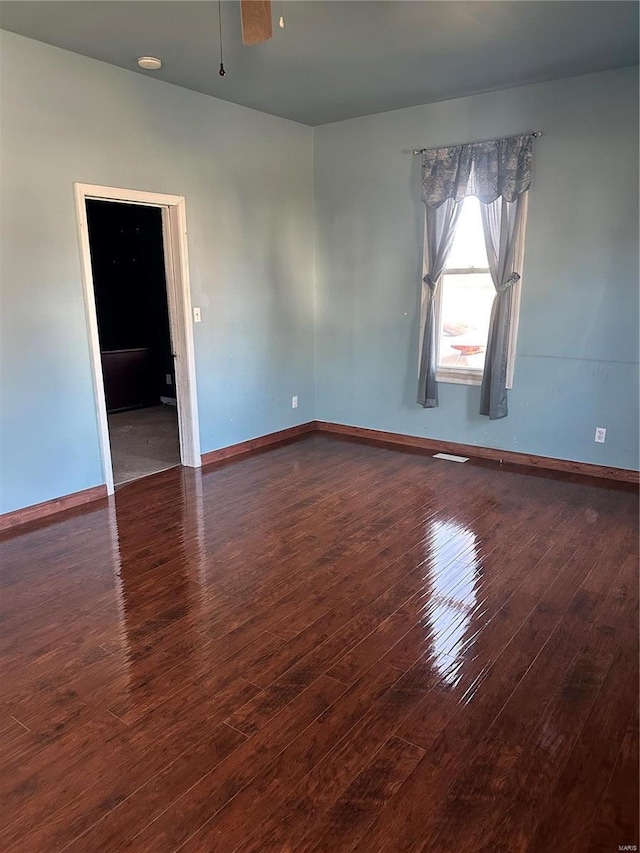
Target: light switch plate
{"x":197,"y":317}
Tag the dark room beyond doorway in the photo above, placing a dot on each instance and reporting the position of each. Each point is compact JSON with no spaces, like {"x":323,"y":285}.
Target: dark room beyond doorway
{"x":128,"y":263}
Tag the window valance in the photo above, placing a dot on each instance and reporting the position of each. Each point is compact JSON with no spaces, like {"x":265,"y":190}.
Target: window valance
{"x":487,"y":170}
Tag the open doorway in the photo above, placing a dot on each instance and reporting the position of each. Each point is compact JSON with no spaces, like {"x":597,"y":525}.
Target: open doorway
{"x":127,"y":259}
{"x":135,"y":272}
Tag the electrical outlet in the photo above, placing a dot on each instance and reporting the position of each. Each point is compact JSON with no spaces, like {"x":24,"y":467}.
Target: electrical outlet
{"x":197,"y":318}
{"x":168,"y":379}
{"x":294,"y":402}
{"x":601,"y":435}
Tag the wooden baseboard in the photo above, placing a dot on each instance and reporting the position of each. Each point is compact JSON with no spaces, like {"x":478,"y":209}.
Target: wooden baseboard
{"x":42,"y":510}
{"x":432,"y":445}
{"x":281,"y":437}
{"x":372,"y":436}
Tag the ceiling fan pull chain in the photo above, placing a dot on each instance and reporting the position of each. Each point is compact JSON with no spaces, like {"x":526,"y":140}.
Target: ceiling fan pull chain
{"x":222,"y":72}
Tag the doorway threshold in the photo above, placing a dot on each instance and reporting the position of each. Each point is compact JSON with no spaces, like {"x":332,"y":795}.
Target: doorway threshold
{"x":144,"y":476}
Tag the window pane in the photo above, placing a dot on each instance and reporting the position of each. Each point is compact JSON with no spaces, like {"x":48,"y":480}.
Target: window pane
{"x":468,"y":248}
{"x":464,"y":319}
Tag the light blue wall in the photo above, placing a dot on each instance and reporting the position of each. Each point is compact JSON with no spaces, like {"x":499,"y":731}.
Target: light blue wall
{"x":247,"y":178}
{"x":577,"y":355}
{"x":249,"y":184}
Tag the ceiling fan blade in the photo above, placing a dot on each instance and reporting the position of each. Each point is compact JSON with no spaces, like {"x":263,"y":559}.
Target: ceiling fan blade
{"x":256,"y":21}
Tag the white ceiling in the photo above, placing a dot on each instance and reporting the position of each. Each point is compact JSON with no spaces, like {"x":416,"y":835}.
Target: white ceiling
{"x":335,"y":59}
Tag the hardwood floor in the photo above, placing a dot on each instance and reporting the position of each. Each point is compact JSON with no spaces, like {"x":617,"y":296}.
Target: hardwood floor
{"x":325,"y":647}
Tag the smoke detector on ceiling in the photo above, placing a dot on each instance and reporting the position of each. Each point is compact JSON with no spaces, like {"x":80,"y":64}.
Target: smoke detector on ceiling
{"x":150,"y":63}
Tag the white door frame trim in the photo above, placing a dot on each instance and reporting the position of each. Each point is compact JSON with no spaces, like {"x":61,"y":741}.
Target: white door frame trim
{"x":174,"y":225}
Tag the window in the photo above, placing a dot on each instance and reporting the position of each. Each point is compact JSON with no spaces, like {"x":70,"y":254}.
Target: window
{"x":464,"y":300}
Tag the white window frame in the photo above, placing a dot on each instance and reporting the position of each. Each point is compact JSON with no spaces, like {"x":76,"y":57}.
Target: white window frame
{"x":473,"y":376}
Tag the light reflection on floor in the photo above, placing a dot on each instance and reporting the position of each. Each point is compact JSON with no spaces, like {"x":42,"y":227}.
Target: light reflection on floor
{"x":453,"y":574}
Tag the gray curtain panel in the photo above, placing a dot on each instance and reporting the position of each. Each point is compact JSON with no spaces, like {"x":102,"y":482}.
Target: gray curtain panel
{"x":502,"y":226}
{"x":439,"y":232}
{"x":498,"y":173}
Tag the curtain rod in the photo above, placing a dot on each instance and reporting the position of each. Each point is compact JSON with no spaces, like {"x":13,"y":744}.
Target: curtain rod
{"x":534,"y":133}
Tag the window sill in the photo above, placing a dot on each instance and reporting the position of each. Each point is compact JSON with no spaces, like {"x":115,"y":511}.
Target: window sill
{"x":459,"y":377}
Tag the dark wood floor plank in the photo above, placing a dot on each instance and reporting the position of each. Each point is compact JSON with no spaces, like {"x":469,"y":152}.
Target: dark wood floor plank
{"x":616,"y":823}
{"x":203,"y":674}
{"x":146,"y":802}
{"x":254,"y":803}
{"x":567,"y":823}
{"x":296,"y":678}
{"x":327,"y":646}
{"x":502,"y":624}
{"x":300,"y":812}
{"x":571,"y":811}
{"x":81,"y":789}
{"x":365,"y":797}
{"x":545,"y":754}
{"x":410,"y":817}
{"x":196,"y":806}
{"x":528,"y":739}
